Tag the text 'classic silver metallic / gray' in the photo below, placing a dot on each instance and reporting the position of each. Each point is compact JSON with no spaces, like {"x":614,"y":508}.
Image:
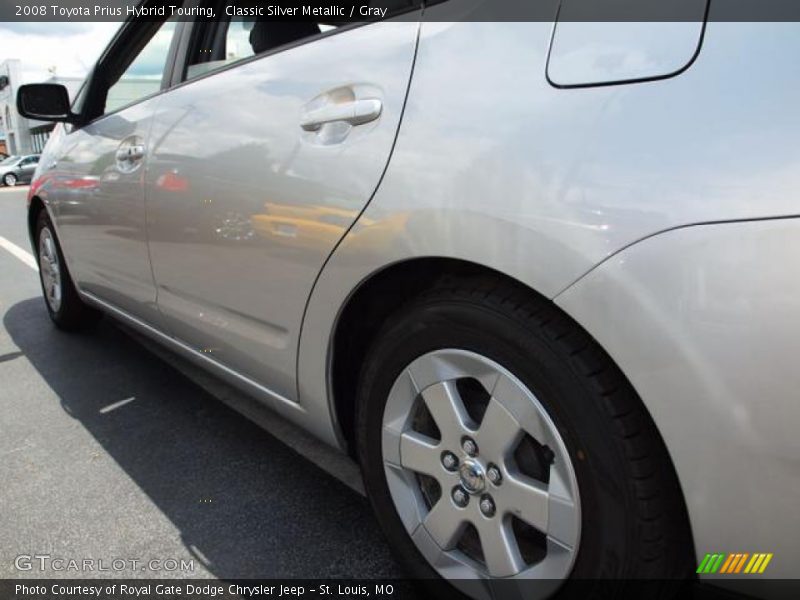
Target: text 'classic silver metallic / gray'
{"x":537,"y":278}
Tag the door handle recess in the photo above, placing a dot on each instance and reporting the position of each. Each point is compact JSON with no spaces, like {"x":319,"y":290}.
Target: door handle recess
{"x":356,"y":112}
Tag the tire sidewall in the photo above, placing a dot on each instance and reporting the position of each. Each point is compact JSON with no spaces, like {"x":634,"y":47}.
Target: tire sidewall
{"x":9,"y":177}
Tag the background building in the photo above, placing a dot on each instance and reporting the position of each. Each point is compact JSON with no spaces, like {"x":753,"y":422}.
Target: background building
{"x":14,"y":127}
{"x":17,"y":134}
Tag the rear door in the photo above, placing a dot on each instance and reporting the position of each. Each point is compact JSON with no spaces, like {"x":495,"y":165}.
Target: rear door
{"x":260,"y":163}
{"x":95,"y":171}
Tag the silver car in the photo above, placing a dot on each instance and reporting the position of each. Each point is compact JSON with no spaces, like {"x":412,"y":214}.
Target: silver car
{"x":538,"y":279}
{"x":18,"y":169}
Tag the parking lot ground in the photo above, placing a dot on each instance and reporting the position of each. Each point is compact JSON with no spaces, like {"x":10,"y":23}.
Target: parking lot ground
{"x":111,"y":450}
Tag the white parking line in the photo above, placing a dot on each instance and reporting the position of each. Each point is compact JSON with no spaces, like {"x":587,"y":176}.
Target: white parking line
{"x":18,"y":252}
{"x":116,"y":405}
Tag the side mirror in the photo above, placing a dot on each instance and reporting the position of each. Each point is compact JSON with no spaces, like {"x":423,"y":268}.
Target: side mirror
{"x":45,"y":102}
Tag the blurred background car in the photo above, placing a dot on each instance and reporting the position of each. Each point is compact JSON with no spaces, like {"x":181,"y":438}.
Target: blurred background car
{"x":18,"y":169}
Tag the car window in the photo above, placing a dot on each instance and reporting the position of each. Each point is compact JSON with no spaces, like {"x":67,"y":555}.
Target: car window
{"x":29,"y":161}
{"x":221,"y":43}
{"x":143,"y":76}
{"x":237,"y":39}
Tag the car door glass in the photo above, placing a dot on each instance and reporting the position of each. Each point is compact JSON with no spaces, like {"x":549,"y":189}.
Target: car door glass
{"x":222,"y":44}
{"x":143,"y":76}
{"x":218,"y":44}
{"x":237,"y":40}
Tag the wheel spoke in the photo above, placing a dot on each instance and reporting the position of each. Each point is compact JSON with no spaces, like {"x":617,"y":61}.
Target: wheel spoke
{"x":420,"y":454}
{"x":526,"y":500}
{"x":524,"y":409}
{"x":445,"y":523}
{"x":499,"y":432}
{"x":562,"y":525}
{"x":447,"y":409}
{"x":500,"y":549}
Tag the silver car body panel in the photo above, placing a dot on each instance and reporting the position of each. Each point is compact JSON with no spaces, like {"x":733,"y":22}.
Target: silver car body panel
{"x":257,"y":390}
{"x":240,"y":228}
{"x":496,"y":166}
{"x":704,"y":321}
{"x":543,"y":184}
{"x":98,"y":209}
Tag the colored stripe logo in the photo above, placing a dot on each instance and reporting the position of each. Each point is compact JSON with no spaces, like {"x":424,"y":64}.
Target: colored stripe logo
{"x":738,"y":562}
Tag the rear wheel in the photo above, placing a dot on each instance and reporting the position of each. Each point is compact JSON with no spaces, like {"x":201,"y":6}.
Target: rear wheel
{"x":502,"y":448}
{"x":64,"y":305}
{"x":10,"y":179}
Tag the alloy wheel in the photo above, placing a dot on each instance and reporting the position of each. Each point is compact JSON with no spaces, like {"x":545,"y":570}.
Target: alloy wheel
{"x":478,"y":472}
{"x":50,"y":269}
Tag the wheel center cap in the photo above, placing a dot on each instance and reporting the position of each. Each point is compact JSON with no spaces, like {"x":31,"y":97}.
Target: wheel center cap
{"x":472,"y":476}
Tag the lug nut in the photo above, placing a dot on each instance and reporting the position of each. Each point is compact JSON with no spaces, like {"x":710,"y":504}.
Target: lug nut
{"x":494,"y":475}
{"x":470,"y":447}
{"x":487,"y":506}
{"x":460,"y":497}
{"x":449,"y":461}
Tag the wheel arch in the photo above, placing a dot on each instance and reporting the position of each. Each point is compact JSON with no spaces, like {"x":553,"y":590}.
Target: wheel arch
{"x":376,"y":298}
{"x":360,"y":319}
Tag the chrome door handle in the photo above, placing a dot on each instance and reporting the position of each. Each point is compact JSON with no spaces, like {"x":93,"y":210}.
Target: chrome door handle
{"x":128,"y":153}
{"x":356,"y":112}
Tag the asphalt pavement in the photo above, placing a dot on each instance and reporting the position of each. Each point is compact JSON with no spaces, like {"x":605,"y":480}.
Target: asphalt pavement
{"x":111,"y":449}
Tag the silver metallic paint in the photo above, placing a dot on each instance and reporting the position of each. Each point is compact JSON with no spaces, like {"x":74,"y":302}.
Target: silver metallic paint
{"x":563,"y":179}
{"x":244,"y":204}
{"x":704,"y":322}
{"x":98,"y":209}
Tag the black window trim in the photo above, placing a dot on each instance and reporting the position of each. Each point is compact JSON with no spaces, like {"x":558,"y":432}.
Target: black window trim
{"x":129,"y":29}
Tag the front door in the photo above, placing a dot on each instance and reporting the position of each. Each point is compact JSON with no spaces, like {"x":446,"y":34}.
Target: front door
{"x":96,"y":173}
{"x":261,"y":162}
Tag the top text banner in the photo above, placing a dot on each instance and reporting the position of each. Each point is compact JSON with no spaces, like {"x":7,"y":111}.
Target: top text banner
{"x":340,"y":12}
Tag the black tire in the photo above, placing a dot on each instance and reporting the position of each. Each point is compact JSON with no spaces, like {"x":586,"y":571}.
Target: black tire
{"x":9,"y":180}
{"x":72,"y":314}
{"x":634,"y":520}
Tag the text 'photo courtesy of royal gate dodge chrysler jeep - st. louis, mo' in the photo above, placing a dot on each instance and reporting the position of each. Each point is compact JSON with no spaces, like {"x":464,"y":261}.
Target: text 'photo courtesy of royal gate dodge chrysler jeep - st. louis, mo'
{"x":538,"y":279}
